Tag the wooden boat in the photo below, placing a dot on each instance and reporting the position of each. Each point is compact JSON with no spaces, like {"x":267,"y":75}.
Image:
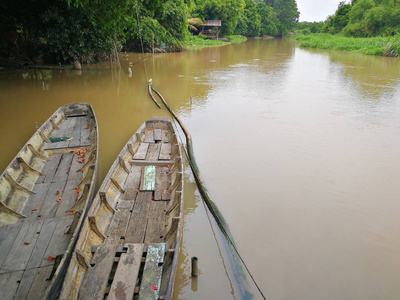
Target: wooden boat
{"x":129,"y":244}
{"x":44,"y":193}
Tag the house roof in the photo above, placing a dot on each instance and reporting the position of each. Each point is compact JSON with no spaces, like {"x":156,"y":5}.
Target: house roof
{"x":212,"y":23}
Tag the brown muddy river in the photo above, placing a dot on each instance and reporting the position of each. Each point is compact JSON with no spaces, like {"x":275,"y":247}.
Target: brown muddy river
{"x":299,"y":149}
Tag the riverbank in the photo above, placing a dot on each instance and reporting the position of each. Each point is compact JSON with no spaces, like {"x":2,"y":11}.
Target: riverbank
{"x":384,"y":46}
{"x":196,"y":42}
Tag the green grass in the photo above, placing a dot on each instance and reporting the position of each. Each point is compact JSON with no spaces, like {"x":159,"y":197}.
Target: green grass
{"x":197,"y":42}
{"x":236,"y":38}
{"x":386,"y":46}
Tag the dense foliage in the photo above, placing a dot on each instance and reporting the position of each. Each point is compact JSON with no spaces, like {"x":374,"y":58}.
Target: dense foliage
{"x":84,"y":29}
{"x":359,"y":18}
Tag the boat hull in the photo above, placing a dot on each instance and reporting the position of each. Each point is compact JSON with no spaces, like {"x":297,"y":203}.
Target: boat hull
{"x":129,"y":244}
{"x":44,"y":195}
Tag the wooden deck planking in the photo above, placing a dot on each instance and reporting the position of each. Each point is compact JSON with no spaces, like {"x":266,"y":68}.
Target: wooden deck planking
{"x":63,"y":167}
{"x":142,"y":151}
{"x":46,"y":233}
{"x":149,"y":137}
{"x":40,"y":283}
{"x":9,"y":283}
{"x":20,"y":252}
{"x":35,"y":202}
{"x":119,"y":223}
{"x":124,"y":283}
{"x":59,"y":240}
{"x":157,"y":135}
{"x":149,"y":178}
{"x":49,"y":207}
{"x":76,"y":133}
{"x":153,"y":152}
{"x":155,"y":229}
{"x":96,"y":279}
{"x":163,"y":182}
{"x":152,"y":272}
{"x":165,"y":136}
{"x":25,"y":284}
{"x":132,"y":183}
{"x":50,"y":168}
{"x":8,"y":235}
{"x":68,"y":133}
{"x":68,"y":199}
{"x":136,"y":230}
{"x":165,"y":153}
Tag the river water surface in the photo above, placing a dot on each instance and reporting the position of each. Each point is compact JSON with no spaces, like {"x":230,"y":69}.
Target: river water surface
{"x":299,"y":149}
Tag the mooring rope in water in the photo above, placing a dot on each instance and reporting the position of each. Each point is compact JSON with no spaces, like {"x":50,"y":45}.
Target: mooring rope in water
{"x":202,"y":187}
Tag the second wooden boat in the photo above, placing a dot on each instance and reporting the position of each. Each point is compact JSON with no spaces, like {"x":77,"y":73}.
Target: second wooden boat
{"x":44,"y":193}
{"x":129,"y":244}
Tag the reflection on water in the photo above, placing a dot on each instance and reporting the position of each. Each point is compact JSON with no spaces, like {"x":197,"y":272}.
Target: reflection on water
{"x":299,"y":149}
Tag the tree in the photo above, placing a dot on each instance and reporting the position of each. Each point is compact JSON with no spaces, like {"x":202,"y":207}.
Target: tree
{"x":269,"y":21}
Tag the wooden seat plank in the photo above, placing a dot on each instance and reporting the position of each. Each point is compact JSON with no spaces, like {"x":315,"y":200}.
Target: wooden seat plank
{"x":152,"y":272}
{"x":154,"y":151}
{"x":8,"y":234}
{"x":165,"y":153}
{"x":165,"y":136}
{"x":157,"y":135}
{"x":119,"y":223}
{"x":123,"y":285}
{"x":155,"y":229}
{"x":142,"y":151}
{"x":149,"y":178}
{"x":162,"y":184}
{"x":9,"y":283}
{"x":136,"y":230}
{"x":149,"y":137}
{"x":22,"y":248}
{"x":96,"y":279}
{"x":132,"y":183}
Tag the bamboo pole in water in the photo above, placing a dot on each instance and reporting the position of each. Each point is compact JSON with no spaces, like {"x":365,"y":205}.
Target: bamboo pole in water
{"x":210,"y":203}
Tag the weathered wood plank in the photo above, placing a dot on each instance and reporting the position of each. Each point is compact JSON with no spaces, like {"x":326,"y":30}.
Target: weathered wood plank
{"x":8,"y":234}
{"x":152,"y":162}
{"x":46,"y":232}
{"x":138,"y":222}
{"x":59,"y":240}
{"x":142,"y":151}
{"x":25,"y":284}
{"x":132,"y":183}
{"x":63,"y":167}
{"x":155,"y":229}
{"x":149,"y":178}
{"x":149,"y":137}
{"x":152,"y":272}
{"x":40,"y":283}
{"x":163,"y":182}
{"x":165,"y":153}
{"x":68,"y":133}
{"x":22,"y":248}
{"x":35,"y":202}
{"x":154,"y":152}
{"x":123,"y":286}
{"x":9,"y":283}
{"x":165,"y":136}
{"x":50,"y":202}
{"x":119,"y":223}
{"x":96,"y":279}
{"x":76,"y":133}
{"x":50,"y":168}
{"x":157,"y":135}
{"x":68,"y":199}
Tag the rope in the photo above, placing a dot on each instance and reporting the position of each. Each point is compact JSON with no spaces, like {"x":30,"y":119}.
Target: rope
{"x":203,"y":191}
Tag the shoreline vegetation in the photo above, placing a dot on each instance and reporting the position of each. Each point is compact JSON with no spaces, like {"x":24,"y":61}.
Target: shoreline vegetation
{"x":199,"y":42}
{"x":383,"y":46}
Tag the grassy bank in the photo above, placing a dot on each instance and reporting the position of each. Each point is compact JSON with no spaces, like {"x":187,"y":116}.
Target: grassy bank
{"x":198,"y":42}
{"x":386,"y":46}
